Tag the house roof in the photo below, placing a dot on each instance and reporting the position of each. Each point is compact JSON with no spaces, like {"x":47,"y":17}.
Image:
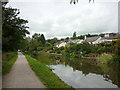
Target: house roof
{"x":113,"y":36}
{"x":91,"y":39}
{"x":74,"y":41}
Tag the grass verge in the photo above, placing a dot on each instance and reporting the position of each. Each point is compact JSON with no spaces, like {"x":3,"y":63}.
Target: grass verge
{"x":7,"y":61}
{"x":48,"y":78}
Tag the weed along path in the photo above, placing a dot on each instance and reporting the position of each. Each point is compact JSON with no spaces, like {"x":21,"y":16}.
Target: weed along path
{"x":21,"y":75}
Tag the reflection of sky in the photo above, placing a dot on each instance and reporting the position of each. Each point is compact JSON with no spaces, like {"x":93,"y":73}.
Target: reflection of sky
{"x":77,"y":79}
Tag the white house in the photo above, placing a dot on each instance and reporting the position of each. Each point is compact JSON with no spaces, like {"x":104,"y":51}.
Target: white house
{"x":61,"y":44}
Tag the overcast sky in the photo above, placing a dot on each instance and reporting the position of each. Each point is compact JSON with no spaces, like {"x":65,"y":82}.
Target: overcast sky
{"x":58,"y":18}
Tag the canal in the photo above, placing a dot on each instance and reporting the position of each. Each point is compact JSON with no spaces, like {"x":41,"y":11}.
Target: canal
{"x":82,"y":73}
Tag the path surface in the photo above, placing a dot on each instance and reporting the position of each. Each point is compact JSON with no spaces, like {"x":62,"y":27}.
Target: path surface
{"x":21,"y":75}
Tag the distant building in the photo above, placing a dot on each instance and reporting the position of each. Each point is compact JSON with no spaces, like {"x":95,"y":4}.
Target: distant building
{"x":75,"y":41}
{"x":109,"y":37}
{"x":60,"y":44}
{"x":93,"y":40}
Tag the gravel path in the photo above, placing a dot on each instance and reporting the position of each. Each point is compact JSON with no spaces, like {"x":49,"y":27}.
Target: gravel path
{"x":21,"y":75}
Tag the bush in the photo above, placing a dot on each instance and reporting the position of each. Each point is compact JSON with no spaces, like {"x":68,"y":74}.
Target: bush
{"x":105,"y":58}
{"x":39,"y":48}
{"x":86,"y":55}
{"x":116,"y":56}
{"x":101,"y":50}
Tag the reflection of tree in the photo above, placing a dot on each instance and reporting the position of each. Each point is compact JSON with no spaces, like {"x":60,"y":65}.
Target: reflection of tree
{"x":112,"y":73}
{"x":86,"y":68}
{"x":108,"y":72}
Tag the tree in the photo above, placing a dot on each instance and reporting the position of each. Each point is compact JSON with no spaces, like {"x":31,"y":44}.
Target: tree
{"x":43,"y":41}
{"x":76,"y":1}
{"x":14,"y":29}
{"x":74,"y":35}
{"x":66,"y":39}
{"x":81,"y":37}
{"x":36,"y":36}
{"x":53,"y":41}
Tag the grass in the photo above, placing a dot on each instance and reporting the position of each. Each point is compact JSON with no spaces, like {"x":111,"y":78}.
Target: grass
{"x":49,"y":79}
{"x":8,"y":59}
{"x":105,"y":59}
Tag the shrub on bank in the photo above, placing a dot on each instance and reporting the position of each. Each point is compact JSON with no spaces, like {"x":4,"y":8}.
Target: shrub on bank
{"x":105,"y":59}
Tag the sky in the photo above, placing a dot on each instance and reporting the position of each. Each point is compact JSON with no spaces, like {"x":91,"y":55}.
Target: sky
{"x":59,"y":18}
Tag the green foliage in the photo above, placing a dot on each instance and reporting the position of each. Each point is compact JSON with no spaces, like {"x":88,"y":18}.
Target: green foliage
{"x":116,"y":56}
{"x":86,"y":47}
{"x":14,"y":29}
{"x":40,"y":48}
{"x":80,"y":37}
{"x":105,"y":59}
{"x":44,"y":73}
{"x":8,"y":61}
{"x":90,"y":35}
{"x":61,"y":48}
{"x":52,"y":41}
{"x":48,"y":44}
{"x":102,"y":35}
{"x":33,"y":45}
{"x":100,"y":50}
{"x":36,"y":36}
{"x":39,"y":38}
{"x":66,"y":39}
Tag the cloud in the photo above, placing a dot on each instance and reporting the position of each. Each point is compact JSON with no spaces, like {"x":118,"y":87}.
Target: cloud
{"x":56,"y":19}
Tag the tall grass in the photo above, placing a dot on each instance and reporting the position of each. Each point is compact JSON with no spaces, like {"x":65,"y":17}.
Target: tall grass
{"x":8,"y":59}
{"x":45,"y":74}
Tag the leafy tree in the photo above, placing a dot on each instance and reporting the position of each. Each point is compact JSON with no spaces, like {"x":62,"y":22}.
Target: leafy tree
{"x":33,"y":45}
{"x":88,"y":35}
{"x":53,"y":41}
{"x":102,"y":35}
{"x":36,"y":36}
{"x":81,"y":37}
{"x":14,"y":29}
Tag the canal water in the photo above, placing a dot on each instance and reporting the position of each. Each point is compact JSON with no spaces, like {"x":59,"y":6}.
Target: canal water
{"x":78,"y":79}
{"x":82,"y":73}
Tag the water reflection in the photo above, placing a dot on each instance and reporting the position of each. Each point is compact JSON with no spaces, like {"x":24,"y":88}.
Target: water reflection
{"x":78,"y":79}
{"x":83,"y":73}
